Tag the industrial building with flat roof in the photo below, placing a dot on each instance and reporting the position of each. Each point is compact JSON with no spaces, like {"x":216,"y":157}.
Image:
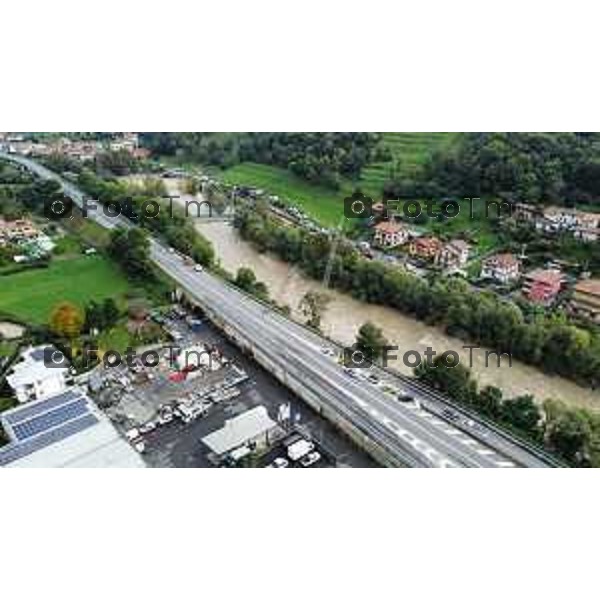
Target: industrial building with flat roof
{"x":65,"y":430}
{"x":254,"y":427}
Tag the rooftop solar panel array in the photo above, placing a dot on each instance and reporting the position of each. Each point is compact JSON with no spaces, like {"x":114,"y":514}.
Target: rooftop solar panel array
{"x":16,"y":451}
{"x":48,"y":420}
{"x":38,"y":408}
{"x":43,"y":423}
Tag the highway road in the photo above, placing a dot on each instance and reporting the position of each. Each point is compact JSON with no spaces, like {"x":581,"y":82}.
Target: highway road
{"x":415,"y":434}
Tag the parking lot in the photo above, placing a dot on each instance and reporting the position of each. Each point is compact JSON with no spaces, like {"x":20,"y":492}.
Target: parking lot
{"x":166,"y":410}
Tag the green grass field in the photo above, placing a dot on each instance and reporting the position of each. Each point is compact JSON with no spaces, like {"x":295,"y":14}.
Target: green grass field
{"x":31,"y":295}
{"x":322,"y":204}
{"x":326,"y":205}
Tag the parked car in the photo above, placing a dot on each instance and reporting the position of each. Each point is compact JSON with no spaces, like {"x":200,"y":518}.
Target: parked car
{"x":279,"y":463}
{"x":133,"y":434}
{"x":148,"y":427}
{"x":310,"y":459}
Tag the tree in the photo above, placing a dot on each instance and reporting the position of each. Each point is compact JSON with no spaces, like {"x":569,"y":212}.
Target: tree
{"x":246,"y":280}
{"x":568,"y":432}
{"x":312,"y":305}
{"x":66,"y":320}
{"x":489,"y":401}
{"x":522,"y":413}
{"x":371,"y":341}
{"x":131,"y":248}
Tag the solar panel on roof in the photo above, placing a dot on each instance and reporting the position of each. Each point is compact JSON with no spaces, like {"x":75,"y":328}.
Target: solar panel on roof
{"x":49,"y":420}
{"x":17,"y":450}
{"x":27,"y":412}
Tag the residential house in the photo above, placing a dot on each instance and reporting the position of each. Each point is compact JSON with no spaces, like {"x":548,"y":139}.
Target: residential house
{"x":390,"y":234}
{"x":542,"y":286}
{"x":588,"y":227}
{"x":32,"y":379}
{"x":425,"y":247}
{"x":584,"y":225}
{"x":586,"y":299}
{"x":453,"y":254}
{"x":527,"y":213}
{"x":503,"y":267}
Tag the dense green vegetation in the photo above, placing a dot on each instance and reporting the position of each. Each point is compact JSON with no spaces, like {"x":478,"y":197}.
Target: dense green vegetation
{"x":323,"y":158}
{"x":572,"y":434}
{"x":532,"y":167}
{"x":170,"y":223}
{"x":549,"y":342}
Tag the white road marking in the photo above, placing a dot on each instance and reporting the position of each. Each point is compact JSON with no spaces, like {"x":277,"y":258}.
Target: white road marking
{"x":485,"y":452}
{"x":469,"y":442}
{"x":505,"y":464}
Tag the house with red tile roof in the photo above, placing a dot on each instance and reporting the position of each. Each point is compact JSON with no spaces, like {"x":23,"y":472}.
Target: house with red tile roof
{"x":425,"y":247}
{"x":542,"y":286}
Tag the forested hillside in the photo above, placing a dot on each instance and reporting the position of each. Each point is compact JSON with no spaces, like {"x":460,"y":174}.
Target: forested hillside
{"x":559,"y":168}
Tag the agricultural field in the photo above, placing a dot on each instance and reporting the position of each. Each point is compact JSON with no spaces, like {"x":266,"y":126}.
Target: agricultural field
{"x":410,"y":150}
{"x":30,"y":296}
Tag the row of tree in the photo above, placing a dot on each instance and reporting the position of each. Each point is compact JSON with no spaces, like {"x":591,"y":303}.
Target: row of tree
{"x":318,"y":157}
{"x":549,"y":342}
{"x":171,"y":223}
{"x":571,"y":433}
